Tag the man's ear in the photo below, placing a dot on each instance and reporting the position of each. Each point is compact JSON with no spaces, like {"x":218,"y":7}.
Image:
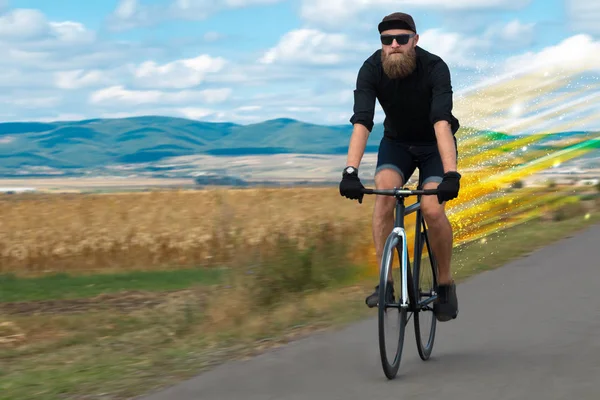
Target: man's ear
{"x":416,"y":39}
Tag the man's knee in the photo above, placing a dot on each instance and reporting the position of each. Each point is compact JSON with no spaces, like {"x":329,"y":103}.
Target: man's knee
{"x":432,"y":210}
{"x":386,"y":178}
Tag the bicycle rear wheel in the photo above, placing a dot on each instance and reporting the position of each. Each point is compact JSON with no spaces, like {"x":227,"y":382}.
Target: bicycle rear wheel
{"x":425,"y":283}
{"x":392,"y":318}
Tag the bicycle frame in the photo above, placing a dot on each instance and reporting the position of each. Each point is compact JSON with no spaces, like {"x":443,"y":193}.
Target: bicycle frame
{"x":399,"y":232}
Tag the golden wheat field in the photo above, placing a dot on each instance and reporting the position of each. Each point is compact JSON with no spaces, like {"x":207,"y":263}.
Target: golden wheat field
{"x":48,"y":233}
{"x":91,"y":233}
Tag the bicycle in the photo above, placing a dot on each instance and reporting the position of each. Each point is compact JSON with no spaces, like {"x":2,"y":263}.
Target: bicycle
{"x":407,"y":302}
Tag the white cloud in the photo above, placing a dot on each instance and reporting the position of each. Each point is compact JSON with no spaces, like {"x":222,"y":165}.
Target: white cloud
{"x":11,"y":78}
{"x":103,"y":56}
{"x":236,"y":74}
{"x":307,"y":109}
{"x":178,"y":74}
{"x":249,"y":108}
{"x":473,"y":52}
{"x":238,"y":115}
{"x":257,"y":74}
{"x":28,"y":100}
{"x":71,"y":32}
{"x":192,"y":9}
{"x":340,"y":12}
{"x":246,"y":3}
{"x":117,"y":96}
{"x":225,"y":115}
{"x":126,"y":9}
{"x":23,"y":24}
{"x":137,"y":112}
{"x":131,"y":13}
{"x":37,"y":102}
{"x":574,"y":54}
{"x":16,"y":56}
{"x":584,"y":15}
{"x":454,"y":48}
{"x":513,"y":32}
{"x":28,"y":25}
{"x":61,"y":117}
{"x":311,"y":46}
{"x":195,"y":113}
{"x":79,"y":78}
{"x":30,"y":42}
{"x":305,"y":100}
{"x":208,"y":96}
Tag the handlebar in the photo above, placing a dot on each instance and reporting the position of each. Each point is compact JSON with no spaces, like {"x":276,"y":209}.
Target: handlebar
{"x":401,"y":192}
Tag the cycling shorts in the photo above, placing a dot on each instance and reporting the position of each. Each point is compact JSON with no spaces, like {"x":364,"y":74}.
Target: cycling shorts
{"x":405,"y":158}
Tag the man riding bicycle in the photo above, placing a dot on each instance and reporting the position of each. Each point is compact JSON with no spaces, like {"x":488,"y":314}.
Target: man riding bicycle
{"x":414,"y":90}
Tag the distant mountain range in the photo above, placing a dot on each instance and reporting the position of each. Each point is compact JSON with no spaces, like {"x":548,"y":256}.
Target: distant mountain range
{"x":70,"y":147}
{"x":96,"y":142}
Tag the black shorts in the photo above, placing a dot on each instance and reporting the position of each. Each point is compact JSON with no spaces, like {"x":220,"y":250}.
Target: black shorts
{"x":405,"y":158}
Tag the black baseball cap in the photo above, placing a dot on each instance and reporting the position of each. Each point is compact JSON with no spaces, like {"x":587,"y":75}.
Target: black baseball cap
{"x":397,"y":20}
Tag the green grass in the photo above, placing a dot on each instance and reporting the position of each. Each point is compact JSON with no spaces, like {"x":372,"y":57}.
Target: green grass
{"x":146,"y":354}
{"x":504,"y":246}
{"x":64,"y":286}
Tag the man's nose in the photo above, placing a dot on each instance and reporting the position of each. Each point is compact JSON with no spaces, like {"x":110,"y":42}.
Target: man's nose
{"x":395,"y":44}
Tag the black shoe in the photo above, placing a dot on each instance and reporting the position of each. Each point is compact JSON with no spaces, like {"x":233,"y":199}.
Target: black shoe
{"x":373,"y":299}
{"x":446,"y":306}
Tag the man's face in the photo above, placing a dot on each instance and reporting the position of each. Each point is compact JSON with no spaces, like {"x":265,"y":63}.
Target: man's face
{"x":399,"y":59}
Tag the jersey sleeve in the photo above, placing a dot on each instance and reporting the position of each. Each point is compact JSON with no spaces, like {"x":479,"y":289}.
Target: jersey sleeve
{"x":441,"y":94}
{"x":364,"y":97}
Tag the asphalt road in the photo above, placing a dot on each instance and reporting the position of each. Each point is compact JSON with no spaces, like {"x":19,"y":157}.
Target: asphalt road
{"x":529,"y":330}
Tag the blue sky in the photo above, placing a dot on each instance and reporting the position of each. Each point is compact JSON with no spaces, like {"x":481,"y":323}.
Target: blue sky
{"x":246,"y":61}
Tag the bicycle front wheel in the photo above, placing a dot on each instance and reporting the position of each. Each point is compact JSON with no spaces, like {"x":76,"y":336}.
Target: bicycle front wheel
{"x":392,"y":318}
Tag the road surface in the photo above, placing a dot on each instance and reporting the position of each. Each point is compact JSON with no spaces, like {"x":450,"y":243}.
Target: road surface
{"x":529,"y":330}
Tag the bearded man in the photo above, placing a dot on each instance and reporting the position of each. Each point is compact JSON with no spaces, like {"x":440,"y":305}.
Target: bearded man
{"x":414,"y":90}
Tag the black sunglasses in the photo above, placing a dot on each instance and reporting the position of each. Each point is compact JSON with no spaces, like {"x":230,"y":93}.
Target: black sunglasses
{"x":401,"y":39}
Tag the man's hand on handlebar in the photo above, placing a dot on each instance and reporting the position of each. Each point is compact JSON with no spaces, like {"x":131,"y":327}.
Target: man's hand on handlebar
{"x":350,"y":186}
{"x":449,"y":187}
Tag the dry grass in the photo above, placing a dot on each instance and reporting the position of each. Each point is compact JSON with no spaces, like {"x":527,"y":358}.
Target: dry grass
{"x":66,"y":356}
{"x":92,"y":233}
{"x":168,"y":229}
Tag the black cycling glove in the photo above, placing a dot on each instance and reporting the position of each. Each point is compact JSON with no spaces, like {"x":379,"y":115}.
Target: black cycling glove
{"x":350,"y":186}
{"x":449,"y":187}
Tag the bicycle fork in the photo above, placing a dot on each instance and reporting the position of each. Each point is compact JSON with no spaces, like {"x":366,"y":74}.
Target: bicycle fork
{"x":398,"y":233}
{"x":401,"y":233}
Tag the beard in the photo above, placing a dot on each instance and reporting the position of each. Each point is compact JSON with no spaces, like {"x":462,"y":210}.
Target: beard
{"x":399,"y":65}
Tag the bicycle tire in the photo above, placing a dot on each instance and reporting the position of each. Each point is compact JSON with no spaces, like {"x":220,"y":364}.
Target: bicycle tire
{"x":393,"y":243}
{"x":424,"y":347}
